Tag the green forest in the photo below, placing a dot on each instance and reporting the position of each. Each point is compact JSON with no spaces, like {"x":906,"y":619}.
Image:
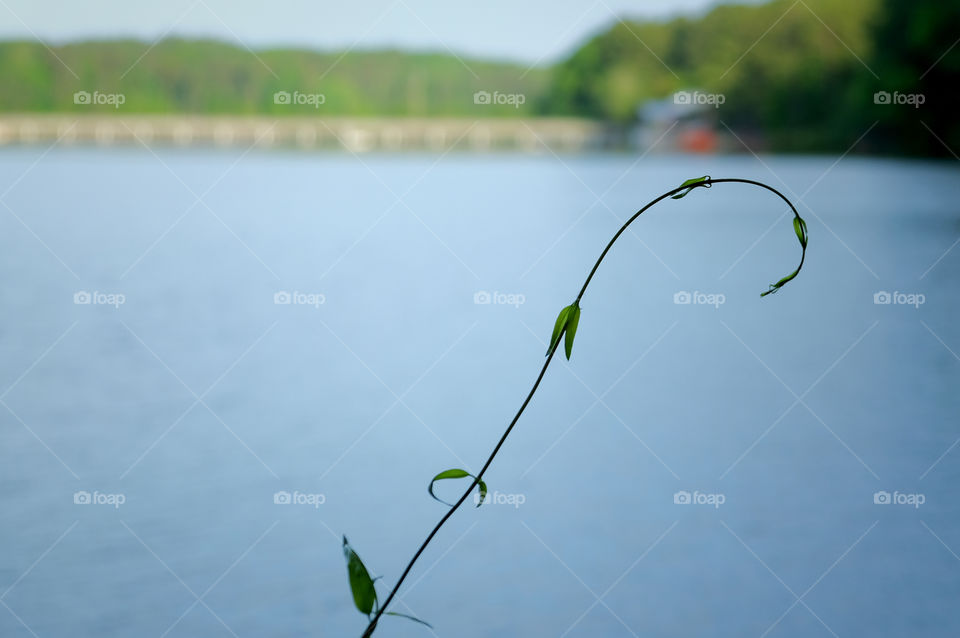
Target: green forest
{"x":807,"y":75}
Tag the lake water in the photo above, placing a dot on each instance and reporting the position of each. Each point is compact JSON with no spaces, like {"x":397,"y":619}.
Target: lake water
{"x":181,"y":397}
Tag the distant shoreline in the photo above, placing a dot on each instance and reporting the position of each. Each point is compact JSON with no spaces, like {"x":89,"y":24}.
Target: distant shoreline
{"x":352,"y":134}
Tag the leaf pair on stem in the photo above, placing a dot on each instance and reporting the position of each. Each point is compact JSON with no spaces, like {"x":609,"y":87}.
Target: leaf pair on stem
{"x":566,"y":326}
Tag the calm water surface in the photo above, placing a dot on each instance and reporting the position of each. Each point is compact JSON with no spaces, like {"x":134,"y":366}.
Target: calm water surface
{"x":183,"y":397}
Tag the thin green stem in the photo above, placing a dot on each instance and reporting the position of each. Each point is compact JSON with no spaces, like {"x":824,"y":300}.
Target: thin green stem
{"x":553,"y":349}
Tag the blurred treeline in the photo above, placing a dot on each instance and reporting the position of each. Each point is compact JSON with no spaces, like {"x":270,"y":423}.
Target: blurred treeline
{"x":202,"y":76}
{"x":798,"y":75}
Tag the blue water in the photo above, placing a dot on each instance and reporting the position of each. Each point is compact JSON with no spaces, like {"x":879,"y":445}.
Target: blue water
{"x":198,"y":397}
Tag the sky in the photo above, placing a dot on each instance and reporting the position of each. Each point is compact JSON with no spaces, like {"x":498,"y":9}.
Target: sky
{"x":531,"y":31}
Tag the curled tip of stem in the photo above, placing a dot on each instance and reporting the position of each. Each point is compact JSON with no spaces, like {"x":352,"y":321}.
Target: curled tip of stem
{"x":800,"y":228}
{"x":799,"y":225}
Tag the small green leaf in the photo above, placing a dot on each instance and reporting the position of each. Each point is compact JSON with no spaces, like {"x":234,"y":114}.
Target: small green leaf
{"x":800,"y":227}
{"x":456,"y":474}
{"x":692,"y":183}
{"x":361,"y":585}
{"x":483,"y":492}
{"x":571,"y":330}
{"x":449,"y":474}
{"x":559,"y":326}
{"x":414,"y":619}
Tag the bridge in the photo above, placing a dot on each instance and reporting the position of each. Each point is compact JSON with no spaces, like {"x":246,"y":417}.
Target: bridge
{"x":356,"y":135}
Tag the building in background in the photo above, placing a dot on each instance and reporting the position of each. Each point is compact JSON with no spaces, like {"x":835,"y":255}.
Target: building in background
{"x":685,"y":122}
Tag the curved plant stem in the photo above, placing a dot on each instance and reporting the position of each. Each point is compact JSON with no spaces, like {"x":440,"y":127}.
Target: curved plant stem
{"x":706,"y":183}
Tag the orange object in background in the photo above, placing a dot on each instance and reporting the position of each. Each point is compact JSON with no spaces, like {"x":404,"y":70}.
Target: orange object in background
{"x":697,"y":140}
